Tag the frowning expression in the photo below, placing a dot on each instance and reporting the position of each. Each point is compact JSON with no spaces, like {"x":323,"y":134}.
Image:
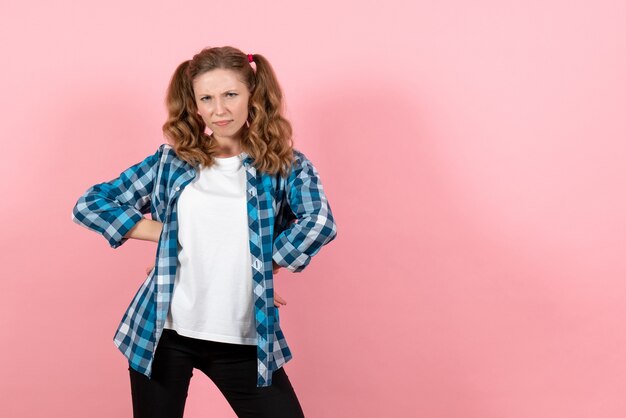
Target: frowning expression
{"x":222,"y":101}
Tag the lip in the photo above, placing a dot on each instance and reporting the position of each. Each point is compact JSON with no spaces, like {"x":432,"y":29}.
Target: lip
{"x":222,"y":122}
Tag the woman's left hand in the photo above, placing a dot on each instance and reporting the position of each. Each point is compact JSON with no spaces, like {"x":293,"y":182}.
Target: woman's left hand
{"x":278,"y":300}
{"x":275,"y":267}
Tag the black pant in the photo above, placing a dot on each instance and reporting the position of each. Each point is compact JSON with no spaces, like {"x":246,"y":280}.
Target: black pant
{"x":233,"y":369}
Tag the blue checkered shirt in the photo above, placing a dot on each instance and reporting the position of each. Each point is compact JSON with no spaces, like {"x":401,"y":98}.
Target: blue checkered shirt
{"x":289,"y":221}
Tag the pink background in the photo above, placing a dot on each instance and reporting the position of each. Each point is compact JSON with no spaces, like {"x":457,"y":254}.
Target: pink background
{"x":474,"y":157}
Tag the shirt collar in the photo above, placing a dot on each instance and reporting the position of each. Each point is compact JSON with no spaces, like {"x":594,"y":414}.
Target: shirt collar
{"x":245,"y":157}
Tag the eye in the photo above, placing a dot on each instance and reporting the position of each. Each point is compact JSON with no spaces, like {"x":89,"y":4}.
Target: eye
{"x":204,"y":97}
{"x":231,"y":94}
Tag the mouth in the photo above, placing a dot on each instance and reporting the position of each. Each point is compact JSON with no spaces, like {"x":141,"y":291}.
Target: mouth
{"x":222,"y":122}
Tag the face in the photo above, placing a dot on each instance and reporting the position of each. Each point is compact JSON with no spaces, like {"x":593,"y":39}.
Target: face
{"x":221,"y":96}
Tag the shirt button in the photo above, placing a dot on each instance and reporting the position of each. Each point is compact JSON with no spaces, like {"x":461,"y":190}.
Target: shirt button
{"x":177,"y":188}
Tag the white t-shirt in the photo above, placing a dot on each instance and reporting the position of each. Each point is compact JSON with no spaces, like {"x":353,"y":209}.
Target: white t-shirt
{"x":213,"y":295}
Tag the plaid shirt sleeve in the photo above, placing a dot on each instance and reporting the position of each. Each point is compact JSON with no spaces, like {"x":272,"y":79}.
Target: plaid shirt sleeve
{"x":314,"y":225}
{"x":113,"y":208}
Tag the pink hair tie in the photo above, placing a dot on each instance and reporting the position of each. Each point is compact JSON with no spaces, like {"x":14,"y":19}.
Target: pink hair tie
{"x":250,"y":58}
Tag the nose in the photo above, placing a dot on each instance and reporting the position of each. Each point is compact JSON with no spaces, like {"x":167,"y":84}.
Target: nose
{"x":219,"y":107}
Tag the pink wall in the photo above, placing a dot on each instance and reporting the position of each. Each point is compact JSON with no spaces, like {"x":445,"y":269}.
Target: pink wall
{"x":473,"y":154}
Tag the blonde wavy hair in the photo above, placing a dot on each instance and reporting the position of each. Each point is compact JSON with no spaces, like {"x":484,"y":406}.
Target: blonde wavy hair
{"x":267,"y":139}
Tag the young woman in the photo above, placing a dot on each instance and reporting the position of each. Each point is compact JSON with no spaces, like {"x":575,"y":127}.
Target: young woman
{"x":228,"y":209}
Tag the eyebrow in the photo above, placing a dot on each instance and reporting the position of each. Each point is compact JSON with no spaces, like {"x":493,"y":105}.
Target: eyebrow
{"x":224,"y":92}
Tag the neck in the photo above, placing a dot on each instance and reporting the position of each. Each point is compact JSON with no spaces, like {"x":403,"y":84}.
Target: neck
{"x":228,"y":147}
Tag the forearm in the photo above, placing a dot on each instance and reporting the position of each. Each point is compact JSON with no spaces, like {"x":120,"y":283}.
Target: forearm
{"x":146,"y":230}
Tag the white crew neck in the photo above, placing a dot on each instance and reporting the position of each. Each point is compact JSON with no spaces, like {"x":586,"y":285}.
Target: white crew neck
{"x":226,"y":164}
{"x":226,"y":158}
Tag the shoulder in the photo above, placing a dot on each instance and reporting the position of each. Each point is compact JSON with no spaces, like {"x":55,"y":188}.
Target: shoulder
{"x":297,"y":154}
{"x":168,"y":153}
{"x":302,"y":167}
{"x":166,"y":149}
{"x":160,"y":151}
{"x":159,"y":156}
{"x":300,"y":159}
{"x":164,"y":155}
